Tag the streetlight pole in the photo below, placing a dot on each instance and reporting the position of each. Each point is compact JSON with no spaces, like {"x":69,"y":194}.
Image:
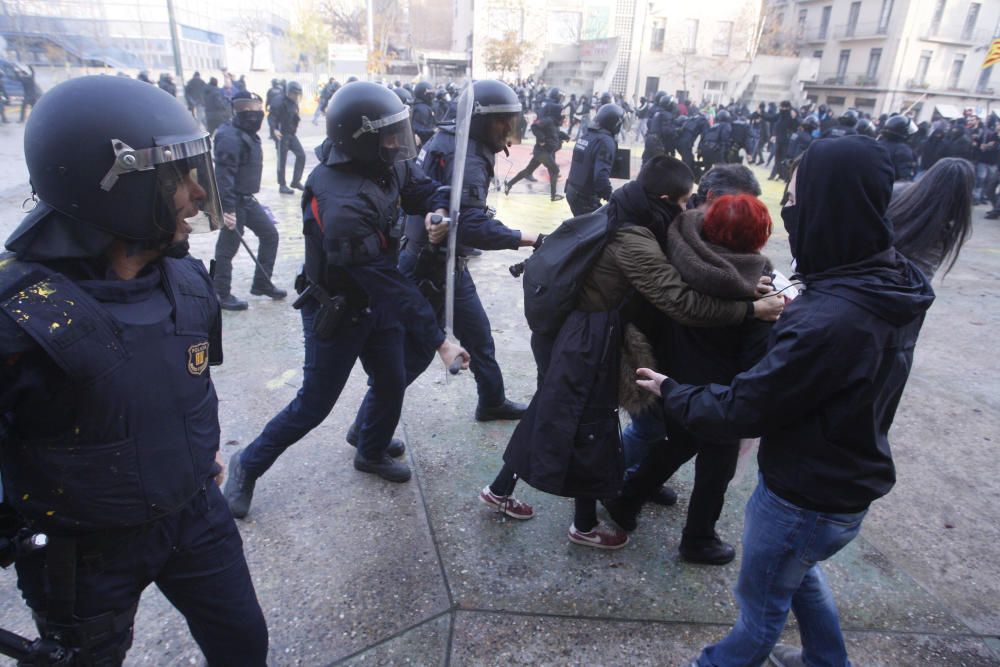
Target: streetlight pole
{"x":175,"y":42}
{"x":371,"y":35}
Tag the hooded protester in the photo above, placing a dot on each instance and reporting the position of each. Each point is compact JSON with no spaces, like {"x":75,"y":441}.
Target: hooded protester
{"x":822,"y":399}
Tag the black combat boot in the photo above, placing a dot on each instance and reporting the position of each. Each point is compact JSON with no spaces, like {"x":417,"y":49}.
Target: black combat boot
{"x":395,"y":450}
{"x":230,"y":302}
{"x":270,"y":290}
{"x":506,"y":410}
{"x":385,"y":467}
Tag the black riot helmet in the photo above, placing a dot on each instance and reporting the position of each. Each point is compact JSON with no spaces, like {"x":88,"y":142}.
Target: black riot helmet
{"x":368,"y":123}
{"x":424,"y":92}
{"x":352,"y":79}
{"x":811,"y":122}
{"x":606,"y":98}
{"x":865,"y":127}
{"x":610,"y":117}
{"x":404,"y":96}
{"x":495,"y":115}
{"x":658,"y":96}
{"x":722,"y":117}
{"x":110,"y":157}
{"x":849,"y":118}
{"x":897,"y":128}
{"x":667,"y":103}
{"x":555,"y":95}
{"x":293,"y":87}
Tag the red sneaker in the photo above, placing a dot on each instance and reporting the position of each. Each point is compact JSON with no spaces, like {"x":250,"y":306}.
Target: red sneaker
{"x":600,"y":537}
{"x":508,"y":505}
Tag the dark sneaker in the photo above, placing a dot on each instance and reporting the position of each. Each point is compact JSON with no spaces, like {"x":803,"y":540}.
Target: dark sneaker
{"x":714,"y":552}
{"x":508,"y":505}
{"x":664,"y":496}
{"x":285,"y":190}
{"x":298,"y":186}
{"x":784,"y":655}
{"x":396,"y":446}
{"x":239,"y":487}
{"x":993,"y":215}
{"x":556,"y":198}
{"x":270,"y":290}
{"x":230,"y":302}
{"x":600,"y":537}
{"x":506,"y":187}
{"x":506,"y":410}
{"x":624,"y":512}
{"x":386,"y":468}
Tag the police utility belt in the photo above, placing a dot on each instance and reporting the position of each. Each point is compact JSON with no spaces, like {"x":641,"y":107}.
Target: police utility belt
{"x":334,"y":312}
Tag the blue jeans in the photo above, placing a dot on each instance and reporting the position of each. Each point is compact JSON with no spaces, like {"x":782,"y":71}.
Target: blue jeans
{"x":782,"y":547}
{"x":390,"y":358}
{"x":645,"y":431}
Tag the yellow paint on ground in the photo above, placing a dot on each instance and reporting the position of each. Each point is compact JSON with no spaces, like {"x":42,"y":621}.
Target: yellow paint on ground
{"x":281,"y":379}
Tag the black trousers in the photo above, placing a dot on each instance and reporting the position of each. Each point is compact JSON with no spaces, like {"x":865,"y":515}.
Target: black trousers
{"x":249,"y":215}
{"x":538,"y":159}
{"x":715,"y":466}
{"x":290,"y":142}
{"x":780,"y":150}
{"x":194,"y":556}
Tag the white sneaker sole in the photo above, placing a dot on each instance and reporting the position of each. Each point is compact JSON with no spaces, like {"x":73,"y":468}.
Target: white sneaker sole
{"x":499,"y":510}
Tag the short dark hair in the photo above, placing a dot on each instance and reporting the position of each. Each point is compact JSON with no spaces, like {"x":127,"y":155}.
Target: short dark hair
{"x":664,"y":175}
{"x":728,"y":179}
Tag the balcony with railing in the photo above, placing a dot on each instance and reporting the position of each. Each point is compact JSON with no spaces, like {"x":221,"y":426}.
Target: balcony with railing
{"x":954,"y":34}
{"x":861,"y":31}
{"x":848,"y":80}
{"x":815,"y":35}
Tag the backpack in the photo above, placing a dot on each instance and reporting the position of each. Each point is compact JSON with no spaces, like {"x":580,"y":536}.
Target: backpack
{"x":554,"y":274}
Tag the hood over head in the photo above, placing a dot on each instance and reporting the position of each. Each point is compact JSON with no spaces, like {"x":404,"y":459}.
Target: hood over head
{"x":842,"y":192}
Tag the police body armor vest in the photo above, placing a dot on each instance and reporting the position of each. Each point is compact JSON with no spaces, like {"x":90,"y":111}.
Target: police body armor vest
{"x":357,"y":239}
{"x":581,"y":171}
{"x":251,"y":157}
{"x":140,"y":399}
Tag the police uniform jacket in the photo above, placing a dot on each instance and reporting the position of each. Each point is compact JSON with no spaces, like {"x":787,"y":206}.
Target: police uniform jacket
{"x":478,"y":228}
{"x":284,"y":115}
{"x":350,"y":226}
{"x":108,"y":415}
{"x":593,"y":158}
{"x":904,"y":163}
{"x":423,"y":121}
{"x":239,"y":162}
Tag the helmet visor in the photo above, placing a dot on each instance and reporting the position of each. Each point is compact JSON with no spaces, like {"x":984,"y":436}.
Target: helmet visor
{"x":396,"y":142}
{"x":189,"y":194}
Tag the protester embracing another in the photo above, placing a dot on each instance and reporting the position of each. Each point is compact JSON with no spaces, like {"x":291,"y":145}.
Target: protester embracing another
{"x":822,"y":399}
{"x":568,"y":443}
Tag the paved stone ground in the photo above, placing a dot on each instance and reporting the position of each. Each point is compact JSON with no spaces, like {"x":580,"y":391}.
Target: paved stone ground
{"x":353,"y":570}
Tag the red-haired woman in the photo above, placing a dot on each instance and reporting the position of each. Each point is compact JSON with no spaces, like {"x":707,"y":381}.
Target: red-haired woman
{"x":717,"y":253}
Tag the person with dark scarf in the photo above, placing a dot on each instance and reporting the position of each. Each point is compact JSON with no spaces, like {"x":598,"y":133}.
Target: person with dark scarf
{"x":822,"y":400}
{"x":568,"y":443}
{"x":718,"y":253}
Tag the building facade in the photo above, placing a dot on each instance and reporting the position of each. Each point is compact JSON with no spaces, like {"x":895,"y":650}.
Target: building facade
{"x":881,"y":56}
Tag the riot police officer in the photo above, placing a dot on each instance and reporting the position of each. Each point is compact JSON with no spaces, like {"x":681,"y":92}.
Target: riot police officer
{"x":494,"y":125}
{"x":845,"y":125}
{"x":895,"y":136}
{"x":284,"y":122}
{"x":104,"y":312}
{"x":549,"y":139}
{"x":239,"y":162}
{"x":716,"y":141}
{"x":423,"y":113}
{"x":354,"y":301}
{"x":693,"y":128}
{"x":589,"y":178}
{"x":797,"y":145}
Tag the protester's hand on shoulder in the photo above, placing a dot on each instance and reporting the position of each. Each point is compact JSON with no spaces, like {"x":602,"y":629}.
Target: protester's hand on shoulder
{"x":650,"y":380}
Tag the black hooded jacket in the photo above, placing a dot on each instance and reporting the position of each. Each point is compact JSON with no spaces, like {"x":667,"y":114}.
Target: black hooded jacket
{"x":824,"y":396}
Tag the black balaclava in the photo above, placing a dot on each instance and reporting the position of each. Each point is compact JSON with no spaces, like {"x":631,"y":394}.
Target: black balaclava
{"x":842,"y":191}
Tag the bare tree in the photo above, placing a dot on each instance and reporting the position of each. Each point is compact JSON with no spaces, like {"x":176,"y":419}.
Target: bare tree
{"x":250,"y":33}
{"x":348,"y":20}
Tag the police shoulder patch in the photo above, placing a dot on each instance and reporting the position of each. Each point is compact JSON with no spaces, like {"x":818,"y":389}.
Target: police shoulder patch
{"x":198,"y":358}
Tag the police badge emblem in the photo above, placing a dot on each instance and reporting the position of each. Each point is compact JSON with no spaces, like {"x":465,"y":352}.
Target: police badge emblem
{"x":198,"y":358}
